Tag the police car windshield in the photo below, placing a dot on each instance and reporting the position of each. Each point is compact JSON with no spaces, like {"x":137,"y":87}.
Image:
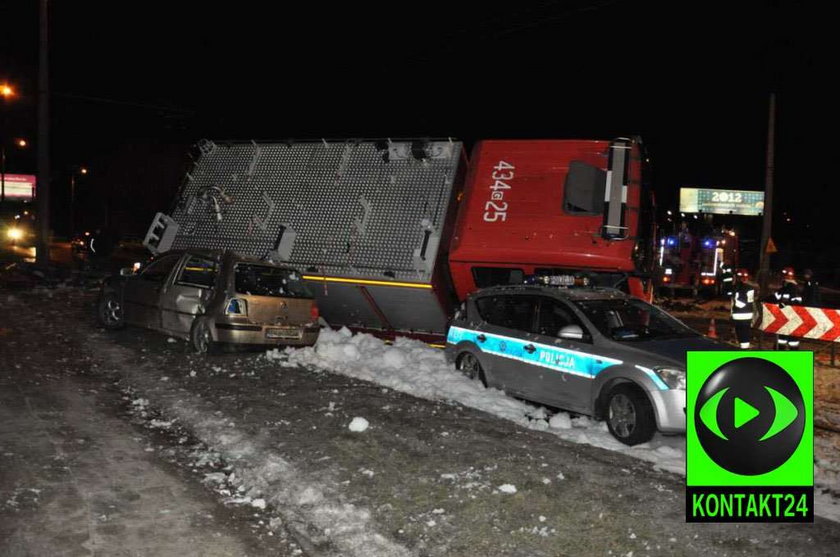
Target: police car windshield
{"x":630,"y":319}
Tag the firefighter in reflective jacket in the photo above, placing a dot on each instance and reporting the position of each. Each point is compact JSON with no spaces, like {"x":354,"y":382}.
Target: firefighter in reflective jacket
{"x":727,"y":279}
{"x":743,"y":300}
{"x":788,"y":294}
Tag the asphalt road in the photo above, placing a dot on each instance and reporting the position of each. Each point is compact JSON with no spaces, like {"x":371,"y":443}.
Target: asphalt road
{"x":87,"y":475}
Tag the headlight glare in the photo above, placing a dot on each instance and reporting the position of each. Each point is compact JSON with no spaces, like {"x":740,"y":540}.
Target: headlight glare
{"x":674,"y":378}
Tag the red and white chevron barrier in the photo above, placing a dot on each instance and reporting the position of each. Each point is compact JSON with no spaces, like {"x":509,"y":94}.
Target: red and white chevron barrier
{"x":801,"y":321}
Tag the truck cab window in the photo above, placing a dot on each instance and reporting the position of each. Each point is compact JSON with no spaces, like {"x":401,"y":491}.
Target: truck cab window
{"x":584,"y":189}
{"x":495,"y":276}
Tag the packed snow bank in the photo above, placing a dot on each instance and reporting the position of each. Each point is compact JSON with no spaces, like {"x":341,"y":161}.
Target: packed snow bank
{"x":414,"y":368}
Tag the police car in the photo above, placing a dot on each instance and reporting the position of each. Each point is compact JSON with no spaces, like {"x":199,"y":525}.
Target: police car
{"x":593,"y":351}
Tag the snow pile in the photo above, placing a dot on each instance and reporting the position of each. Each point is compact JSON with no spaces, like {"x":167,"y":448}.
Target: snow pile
{"x":412,"y":367}
{"x":358,"y":425}
{"x":560,"y":420}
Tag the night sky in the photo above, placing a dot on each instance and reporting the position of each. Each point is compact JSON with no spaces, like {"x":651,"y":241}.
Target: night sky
{"x":134,"y":83}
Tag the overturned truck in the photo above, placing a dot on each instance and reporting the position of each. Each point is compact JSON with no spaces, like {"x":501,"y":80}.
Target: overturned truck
{"x":392,"y":234}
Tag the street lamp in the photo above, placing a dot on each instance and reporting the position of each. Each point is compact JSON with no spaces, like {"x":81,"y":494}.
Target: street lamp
{"x":6,"y":93}
{"x":80,"y":171}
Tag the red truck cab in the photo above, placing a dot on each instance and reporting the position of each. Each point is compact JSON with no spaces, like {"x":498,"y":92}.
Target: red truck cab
{"x":548,"y":206}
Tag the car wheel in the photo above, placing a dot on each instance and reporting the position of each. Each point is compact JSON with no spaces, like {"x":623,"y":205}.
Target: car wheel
{"x":201,"y":337}
{"x":469,"y":365}
{"x":109,"y":311}
{"x":630,"y":416}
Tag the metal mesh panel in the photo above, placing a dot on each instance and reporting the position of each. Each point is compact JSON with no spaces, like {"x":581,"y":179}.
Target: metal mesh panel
{"x":357,"y":209}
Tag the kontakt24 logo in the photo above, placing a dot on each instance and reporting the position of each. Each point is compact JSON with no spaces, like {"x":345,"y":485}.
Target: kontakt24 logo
{"x":750,"y":437}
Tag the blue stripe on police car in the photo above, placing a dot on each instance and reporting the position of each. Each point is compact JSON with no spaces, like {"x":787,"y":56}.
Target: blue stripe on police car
{"x":547,"y":356}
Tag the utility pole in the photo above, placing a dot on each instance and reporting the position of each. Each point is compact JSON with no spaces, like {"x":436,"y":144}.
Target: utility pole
{"x":6,"y":93}
{"x":43,"y":190}
{"x":767,"y":222}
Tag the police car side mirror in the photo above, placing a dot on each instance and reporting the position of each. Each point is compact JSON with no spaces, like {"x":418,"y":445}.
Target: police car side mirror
{"x":571,"y":332}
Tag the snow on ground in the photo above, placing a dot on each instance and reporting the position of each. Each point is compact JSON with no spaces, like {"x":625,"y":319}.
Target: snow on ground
{"x":259,"y":473}
{"x":411,"y":367}
{"x":358,"y":425}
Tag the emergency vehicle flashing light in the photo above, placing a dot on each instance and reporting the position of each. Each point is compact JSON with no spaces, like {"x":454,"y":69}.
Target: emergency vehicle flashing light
{"x":557,"y":280}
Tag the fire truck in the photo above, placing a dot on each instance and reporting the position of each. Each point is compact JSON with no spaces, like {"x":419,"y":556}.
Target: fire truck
{"x":690,"y":261}
{"x":393,"y":234}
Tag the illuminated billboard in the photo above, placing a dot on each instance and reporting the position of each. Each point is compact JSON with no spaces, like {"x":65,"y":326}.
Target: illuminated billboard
{"x":19,"y":187}
{"x":721,"y":202}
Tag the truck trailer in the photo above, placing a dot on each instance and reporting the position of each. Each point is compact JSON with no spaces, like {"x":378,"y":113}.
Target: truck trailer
{"x":392,"y":234}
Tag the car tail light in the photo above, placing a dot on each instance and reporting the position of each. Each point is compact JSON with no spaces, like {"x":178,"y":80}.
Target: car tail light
{"x":313,"y":313}
{"x":237,"y":306}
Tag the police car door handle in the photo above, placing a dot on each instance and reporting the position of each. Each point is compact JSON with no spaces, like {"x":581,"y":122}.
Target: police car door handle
{"x":529,"y":348}
{"x":481,"y":338}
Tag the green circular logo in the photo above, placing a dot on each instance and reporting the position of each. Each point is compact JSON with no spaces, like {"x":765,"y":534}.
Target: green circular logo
{"x":749,"y":416}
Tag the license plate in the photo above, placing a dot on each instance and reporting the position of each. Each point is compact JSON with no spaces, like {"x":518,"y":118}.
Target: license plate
{"x":283,"y":332}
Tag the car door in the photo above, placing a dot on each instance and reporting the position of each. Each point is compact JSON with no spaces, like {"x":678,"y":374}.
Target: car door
{"x":563,"y":369}
{"x":184,"y":295}
{"x":504,"y":336}
{"x":141,"y":295}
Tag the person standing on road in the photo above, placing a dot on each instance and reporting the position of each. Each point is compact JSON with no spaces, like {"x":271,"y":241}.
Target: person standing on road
{"x":810,"y":290}
{"x":788,"y":294}
{"x":101,"y":245}
{"x":727,"y":279}
{"x":743,"y":301}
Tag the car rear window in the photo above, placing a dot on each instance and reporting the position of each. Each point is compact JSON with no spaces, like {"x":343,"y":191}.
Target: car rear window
{"x":264,"y":280}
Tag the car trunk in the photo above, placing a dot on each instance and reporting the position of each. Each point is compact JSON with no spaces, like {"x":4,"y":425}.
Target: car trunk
{"x":271,"y":310}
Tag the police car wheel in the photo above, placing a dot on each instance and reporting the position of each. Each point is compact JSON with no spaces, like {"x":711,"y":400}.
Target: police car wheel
{"x":469,"y":365}
{"x":630,"y":416}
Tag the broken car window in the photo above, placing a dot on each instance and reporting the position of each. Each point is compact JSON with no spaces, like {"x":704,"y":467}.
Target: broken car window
{"x":264,"y":280}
